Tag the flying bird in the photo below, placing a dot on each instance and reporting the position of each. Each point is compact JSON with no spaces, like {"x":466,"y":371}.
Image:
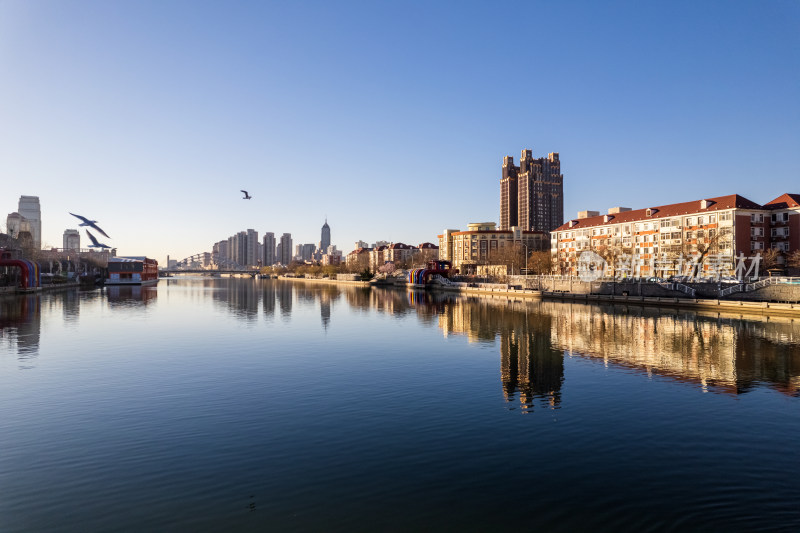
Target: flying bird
{"x":90,"y":223}
{"x":95,"y":244}
{"x":246,"y":196}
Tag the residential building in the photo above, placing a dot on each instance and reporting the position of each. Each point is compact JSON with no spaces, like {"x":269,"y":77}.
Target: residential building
{"x":269,"y":249}
{"x":359,"y":258}
{"x":427,"y":252}
{"x":532,"y":194}
{"x":251,"y":248}
{"x":377,"y":257}
{"x":304,"y":252}
{"x":72,"y":239}
{"x":468,"y":249}
{"x":333,"y":258}
{"x":285,"y":256}
{"x":712,"y":232}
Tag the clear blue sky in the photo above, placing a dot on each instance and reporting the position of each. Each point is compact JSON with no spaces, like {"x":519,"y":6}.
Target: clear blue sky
{"x":391,"y":118}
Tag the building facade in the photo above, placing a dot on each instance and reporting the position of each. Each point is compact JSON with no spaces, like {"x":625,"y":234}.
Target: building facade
{"x":476,"y":246}
{"x":251,"y":248}
{"x":325,"y":239}
{"x":532,"y":194}
{"x":269,"y":249}
{"x":30,"y":210}
{"x":72,"y":239}
{"x":285,"y":256}
{"x":664,"y":239}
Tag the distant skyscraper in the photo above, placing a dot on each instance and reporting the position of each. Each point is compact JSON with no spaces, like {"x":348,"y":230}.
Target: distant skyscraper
{"x":269,"y":249}
{"x":326,"y":236}
{"x":286,"y":249}
{"x":532,"y":194}
{"x":72,"y":239}
{"x":307,"y":251}
{"x":29,"y":208}
{"x":251,"y":251}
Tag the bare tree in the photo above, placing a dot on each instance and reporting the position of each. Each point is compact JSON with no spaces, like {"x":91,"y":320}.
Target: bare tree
{"x":793,"y":259}
{"x":769,"y":259}
{"x":540,"y":262}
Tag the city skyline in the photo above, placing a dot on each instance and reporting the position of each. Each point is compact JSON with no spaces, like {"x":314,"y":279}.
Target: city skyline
{"x":152,"y":125}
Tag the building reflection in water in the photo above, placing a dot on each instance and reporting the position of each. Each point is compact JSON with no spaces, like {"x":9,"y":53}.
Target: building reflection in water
{"x":268,"y":297}
{"x":726,"y":354}
{"x":130,"y":295}
{"x":284,"y":292}
{"x":20,"y":327}
{"x":531,"y":369}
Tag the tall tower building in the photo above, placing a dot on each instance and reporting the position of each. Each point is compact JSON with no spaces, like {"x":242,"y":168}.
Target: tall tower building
{"x":326,"y":236}
{"x":532,"y":194}
{"x":286,"y":249}
{"x":30,"y":210}
{"x":72,"y":239}
{"x":508,"y":194}
{"x":269,"y":249}
{"x":251,"y":248}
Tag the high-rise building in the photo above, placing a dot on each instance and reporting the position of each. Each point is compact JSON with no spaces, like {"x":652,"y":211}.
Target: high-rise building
{"x":72,"y":239}
{"x":306,"y":252}
{"x":532,"y":194}
{"x":326,"y":236}
{"x":286,"y":249}
{"x":30,"y":210}
{"x":269,"y":249}
{"x":251,"y":248}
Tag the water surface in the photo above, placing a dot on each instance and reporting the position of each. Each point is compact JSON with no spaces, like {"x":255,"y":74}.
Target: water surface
{"x":246,"y":405}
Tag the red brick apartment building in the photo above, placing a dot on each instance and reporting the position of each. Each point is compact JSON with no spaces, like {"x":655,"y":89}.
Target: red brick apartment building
{"x":723,"y":227}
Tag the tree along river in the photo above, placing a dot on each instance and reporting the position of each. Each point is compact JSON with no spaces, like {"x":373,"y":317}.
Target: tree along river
{"x":261,"y":405}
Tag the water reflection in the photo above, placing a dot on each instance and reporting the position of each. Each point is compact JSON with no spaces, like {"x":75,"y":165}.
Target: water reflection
{"x":130,"y":295}
{"x":728,"y":354}
{"x":20,"y":326}
{"x":721,"y":353}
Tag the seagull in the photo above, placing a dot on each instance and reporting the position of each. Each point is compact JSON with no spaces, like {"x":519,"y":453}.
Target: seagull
{"x":95,"y":244}
{"x":91,"y":223}
{"x":246,"y":196}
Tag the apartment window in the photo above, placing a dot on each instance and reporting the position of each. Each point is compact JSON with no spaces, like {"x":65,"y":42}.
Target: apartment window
{"x":756,"y":245}
{"x":757,"y":218}
{"x":712,"y":219}
{"x":780,"y":232}
{"x":756,"y":232}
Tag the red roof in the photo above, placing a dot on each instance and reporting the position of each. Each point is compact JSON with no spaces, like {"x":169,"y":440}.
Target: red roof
{"x":784,"y":201}
{"x":664,"y":211}
{"x":360,"y":251}
{"x":427,"y":245}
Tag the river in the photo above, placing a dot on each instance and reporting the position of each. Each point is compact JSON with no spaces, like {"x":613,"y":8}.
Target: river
{"x":216,"y":404}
